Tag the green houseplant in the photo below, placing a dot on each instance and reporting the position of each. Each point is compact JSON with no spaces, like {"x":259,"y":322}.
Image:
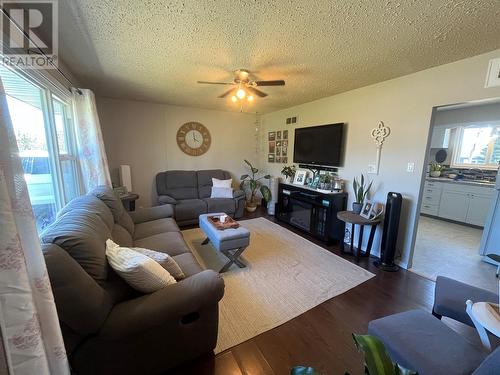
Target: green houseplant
{"x":289,"y":172}
{"x":251,"y":182}
{"x":436,"y":169}
{"x":360,"y":192}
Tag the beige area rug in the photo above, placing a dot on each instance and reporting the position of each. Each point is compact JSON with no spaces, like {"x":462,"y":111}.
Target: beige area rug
{"x":286,"y":275}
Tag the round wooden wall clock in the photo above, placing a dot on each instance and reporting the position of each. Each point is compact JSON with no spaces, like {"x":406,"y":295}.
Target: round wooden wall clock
{"x":193,"y":138}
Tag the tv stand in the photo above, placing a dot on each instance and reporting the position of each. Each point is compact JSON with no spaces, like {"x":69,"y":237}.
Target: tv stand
{"x":312,"y":211}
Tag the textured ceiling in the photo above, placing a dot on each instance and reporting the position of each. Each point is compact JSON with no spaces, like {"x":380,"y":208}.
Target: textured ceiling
{"x":157,"y":50}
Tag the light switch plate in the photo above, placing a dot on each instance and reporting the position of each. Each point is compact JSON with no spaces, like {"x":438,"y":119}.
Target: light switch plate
{"x":410,"y":168}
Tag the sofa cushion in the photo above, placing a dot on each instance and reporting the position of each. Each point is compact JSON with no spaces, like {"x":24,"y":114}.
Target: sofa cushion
{"x":190,"y":209}
{"x":177,"y":184}
{"x":150,"y":228}
{"x":418,"y":341}
{"x":490,"y":365}
{"x":110,"y":199}
{"x":205,"y":180}
{"x":91,"y":205}
{"x":220,"y":205}
{"x":188,"y":264}
{"x":171,"y":243}
{"x":121,"y":236}
{"x":83,"y":235}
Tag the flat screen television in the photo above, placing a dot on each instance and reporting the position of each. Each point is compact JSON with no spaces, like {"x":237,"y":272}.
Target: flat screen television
{"x":319,"y":145}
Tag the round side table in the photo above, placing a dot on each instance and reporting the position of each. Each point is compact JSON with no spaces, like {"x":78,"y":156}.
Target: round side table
{"x":356,"y":219}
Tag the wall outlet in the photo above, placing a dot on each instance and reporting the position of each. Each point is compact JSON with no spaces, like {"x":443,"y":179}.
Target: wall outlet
{"x":410,"y":168}
{"x":372,"y":169}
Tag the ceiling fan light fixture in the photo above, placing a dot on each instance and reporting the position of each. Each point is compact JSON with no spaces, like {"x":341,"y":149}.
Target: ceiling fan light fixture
{"x":241,"y":93}
{"x":234,"y":99}
{"x":250,"y":98}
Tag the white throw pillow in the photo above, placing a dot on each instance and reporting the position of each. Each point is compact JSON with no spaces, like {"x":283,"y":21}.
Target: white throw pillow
{"x":165,"y":260}
{"x":222,"y":183}
{"x":219,"y":192}
{"x":138,"y":270}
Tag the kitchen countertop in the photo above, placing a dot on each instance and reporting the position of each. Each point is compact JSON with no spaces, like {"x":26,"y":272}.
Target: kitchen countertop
{"x":461,"y":182}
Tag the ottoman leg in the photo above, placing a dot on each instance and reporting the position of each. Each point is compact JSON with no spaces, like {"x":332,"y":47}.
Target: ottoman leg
{"x":233,"y":258}
{"x":205,"y":241}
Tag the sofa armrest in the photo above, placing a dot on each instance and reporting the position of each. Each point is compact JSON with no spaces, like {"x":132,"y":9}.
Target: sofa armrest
{"x":450,"y":297}
{"x":170,"y":304}
{"x":238,"y":194}
{"x":151,"y":213}
{"x":166,"y":199}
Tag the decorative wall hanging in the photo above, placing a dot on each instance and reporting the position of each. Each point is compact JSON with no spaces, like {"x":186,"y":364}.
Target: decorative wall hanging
{"x":193,"y":138}
{"x":278,"y":146}
{"x":379,"y":134}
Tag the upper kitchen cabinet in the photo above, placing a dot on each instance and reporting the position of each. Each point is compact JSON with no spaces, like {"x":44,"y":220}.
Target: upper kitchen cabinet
{"x":440,"y":137}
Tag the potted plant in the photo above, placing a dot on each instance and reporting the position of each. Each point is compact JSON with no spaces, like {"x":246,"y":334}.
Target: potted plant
{"x":325,"y":181}
{"x":252,"y":183}
{"x":288,"y":172}
{"x":436,"y":170}
{"x":360,"y":192}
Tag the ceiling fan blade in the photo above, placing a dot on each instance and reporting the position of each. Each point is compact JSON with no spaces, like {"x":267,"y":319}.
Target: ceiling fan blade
{"x":227,"y":93}
{"x":215,"y":83}
{"x":256,"y":92}
{"x":278,"y":82}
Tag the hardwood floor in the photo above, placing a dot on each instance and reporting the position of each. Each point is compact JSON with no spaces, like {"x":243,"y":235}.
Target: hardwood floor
{"x":321,"y":337}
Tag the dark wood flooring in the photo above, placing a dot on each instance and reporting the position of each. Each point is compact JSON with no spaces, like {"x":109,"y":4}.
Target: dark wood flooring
{"x":321,"y":337}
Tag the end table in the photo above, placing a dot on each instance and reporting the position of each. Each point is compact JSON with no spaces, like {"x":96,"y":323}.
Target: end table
{"x":356,"y":219}
{"x":128,"y":201}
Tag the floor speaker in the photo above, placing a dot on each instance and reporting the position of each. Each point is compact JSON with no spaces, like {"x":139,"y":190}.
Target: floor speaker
{"x":390,"y":233}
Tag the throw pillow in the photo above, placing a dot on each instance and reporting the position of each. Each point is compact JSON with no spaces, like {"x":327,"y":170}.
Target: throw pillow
{"x":222,"y":183}
{"x":165,"y":260}
{"x":138,"y":270}
{"x":220,"y":192}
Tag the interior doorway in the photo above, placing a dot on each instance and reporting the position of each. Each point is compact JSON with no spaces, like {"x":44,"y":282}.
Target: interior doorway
{"x":459,"y":194}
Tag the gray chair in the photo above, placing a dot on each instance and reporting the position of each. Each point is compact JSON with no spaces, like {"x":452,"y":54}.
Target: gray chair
{"x":417,"y":340}
{"x":108,"y":327}
{"x":189,"y":192}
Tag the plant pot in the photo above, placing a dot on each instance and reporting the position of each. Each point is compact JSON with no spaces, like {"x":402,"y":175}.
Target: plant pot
{"x":356,"y":207}
{"x":435,"y":173}
{"x":251,"y":207}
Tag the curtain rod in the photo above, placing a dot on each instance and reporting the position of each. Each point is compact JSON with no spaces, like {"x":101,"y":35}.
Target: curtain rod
{"x":40,"y":52}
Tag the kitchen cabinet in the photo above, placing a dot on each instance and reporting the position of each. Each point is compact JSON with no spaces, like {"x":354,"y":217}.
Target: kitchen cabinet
{"x":440,"y":137}
{"x":454,"y":205}
{"x":479,"y":206}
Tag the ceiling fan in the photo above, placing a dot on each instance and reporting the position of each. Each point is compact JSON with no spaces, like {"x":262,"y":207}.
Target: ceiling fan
{"x":243,"y":87}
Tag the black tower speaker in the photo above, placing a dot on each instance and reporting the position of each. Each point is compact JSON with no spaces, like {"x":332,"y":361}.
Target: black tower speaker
{"x":390,"y":233}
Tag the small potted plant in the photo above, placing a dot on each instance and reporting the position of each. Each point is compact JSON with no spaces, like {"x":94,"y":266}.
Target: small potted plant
{"x":252,"y":183}
{"x":325,"y":181}
{"x":436,"y":170}
{"x":360,"y":192}
{"x":289,"y":172}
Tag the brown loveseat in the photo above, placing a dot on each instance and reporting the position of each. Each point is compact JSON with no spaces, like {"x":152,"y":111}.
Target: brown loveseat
{"x":108,"y":327}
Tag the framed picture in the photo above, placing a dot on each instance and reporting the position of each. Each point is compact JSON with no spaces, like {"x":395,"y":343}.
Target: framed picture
{"x":278,"y":134}
{"x":278,"y":159}
{"x":315,"y":182}
{"x":270,"y":158}
{"x":284,"y":143}
{"x":284,"y":159}
{"x":284,"y":151}
{"x":365,"y":211}
{"x":278,"y":151}
{"x":376,"y":211}
{"x":285,"y":134}
{"x":278,"y":143}
{"x":300,"y":177}
{"x":271,"y":136}
{"x":271,"y":147}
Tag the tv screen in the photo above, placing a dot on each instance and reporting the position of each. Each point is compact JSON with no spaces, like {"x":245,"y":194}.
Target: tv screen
{"x":319,"y":145}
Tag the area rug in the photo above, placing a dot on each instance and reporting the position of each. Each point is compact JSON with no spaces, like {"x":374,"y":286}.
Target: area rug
{"x":286,"y":275}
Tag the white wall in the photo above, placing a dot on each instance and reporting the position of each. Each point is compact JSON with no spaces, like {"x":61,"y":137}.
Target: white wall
{"x":405,"y":105}
{"x":142,"y":135}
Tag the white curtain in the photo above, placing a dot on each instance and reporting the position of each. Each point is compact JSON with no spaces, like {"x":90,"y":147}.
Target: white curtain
{"x":91,"y":152}
{"x":28,"y":317}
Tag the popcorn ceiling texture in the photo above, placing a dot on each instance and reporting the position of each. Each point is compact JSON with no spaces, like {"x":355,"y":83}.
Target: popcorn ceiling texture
{"x":157,"y":50}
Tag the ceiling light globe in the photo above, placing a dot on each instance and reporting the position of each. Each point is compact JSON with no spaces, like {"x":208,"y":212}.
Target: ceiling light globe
{"x":234,"y":99}
{"x":241,"y":93}
{"x":250,"y":98}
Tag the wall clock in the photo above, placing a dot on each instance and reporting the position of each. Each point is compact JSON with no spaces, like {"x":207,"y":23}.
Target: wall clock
{"x":193,"y":138}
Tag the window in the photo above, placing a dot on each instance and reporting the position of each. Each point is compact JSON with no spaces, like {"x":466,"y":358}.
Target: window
{"x":44,"y":131}
{"x":478,"y":146}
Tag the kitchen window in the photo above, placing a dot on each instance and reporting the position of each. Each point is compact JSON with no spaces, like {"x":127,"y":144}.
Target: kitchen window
{"x":477,"y":146}
{"x":43,"y":126}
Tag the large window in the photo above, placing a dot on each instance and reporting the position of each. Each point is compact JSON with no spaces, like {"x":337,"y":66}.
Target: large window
{"x":44,"y":131}
{"x":478,"y":146}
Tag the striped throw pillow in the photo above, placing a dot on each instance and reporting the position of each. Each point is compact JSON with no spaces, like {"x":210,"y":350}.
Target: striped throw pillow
{"x":165,"y":260}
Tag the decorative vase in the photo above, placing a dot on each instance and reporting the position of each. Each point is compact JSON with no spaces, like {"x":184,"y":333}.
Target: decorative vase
{"x":356,"y":207}
{"x":251,"y":207}
{"x":435,"y":173}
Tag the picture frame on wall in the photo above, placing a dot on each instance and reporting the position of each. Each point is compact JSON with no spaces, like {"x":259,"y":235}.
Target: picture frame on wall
{"x":278,"y":159}
{"x":270,"y":158}
{"x":272,"y":147}
{"x":278,"y":151}
{"x":285,"y":134}
{"x":300,"y":177}
{"x":284,"y":159}
{"x":278,"y":134}
{"x":271,"y":136}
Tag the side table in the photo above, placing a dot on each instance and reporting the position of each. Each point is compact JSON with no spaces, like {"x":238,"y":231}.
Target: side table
{"x":486,"y":318}
{"x":128,"y":201}
{"x":356,"y":219}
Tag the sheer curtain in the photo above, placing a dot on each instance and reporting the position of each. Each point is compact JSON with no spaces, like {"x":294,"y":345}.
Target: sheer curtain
{"x":91,"y":152}
{"x":29,"y":324}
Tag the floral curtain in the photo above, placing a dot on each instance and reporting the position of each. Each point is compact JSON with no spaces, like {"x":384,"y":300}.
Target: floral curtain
{"x":91,"y":152}
{"x":28,"y":318}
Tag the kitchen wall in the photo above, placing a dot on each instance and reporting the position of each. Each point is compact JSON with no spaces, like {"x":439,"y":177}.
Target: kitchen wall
{"x":405,"y":105}
{"x":142,"y":135}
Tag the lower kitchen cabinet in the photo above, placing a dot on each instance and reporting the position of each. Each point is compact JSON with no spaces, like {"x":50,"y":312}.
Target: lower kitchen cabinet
{"x":454,"y":205}
{"x":479,"y":206}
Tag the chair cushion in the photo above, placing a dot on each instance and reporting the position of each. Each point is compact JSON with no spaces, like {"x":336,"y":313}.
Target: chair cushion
{"x":177,"y":184}
{"x":188,"y":263}
{"x":491,"y":365}
{"x":225,"y":205}
{"x":188,"y":209}
{"x":171,"y":243}
{"x":205,"y":180}
{"x":418,"y":341}
{"x":150,"y":228}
